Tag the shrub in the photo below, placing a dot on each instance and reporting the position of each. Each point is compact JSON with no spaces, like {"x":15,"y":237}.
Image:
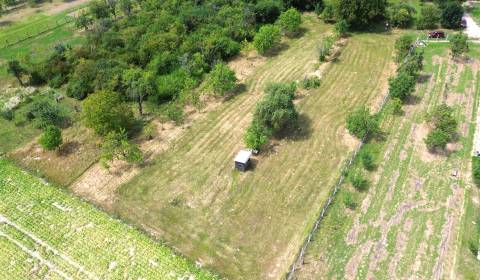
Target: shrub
{"x":452,"y":15}
{"x":349,"y":200}
{"x":402,"y":86}
{"x":116,"y":146}
{"x":46,"y":113}
{"x":361,"y":123}
{"x":395,"y":106}
{"x":310,"y":82}
{"x":325,"y":48}
{"x":458,"y":44}
{"x":476,"y":170}
{"x":255,"y":136}
{"x":104,"y":112}
{"x":413,"y":64}
{"x":79,"y":89}
{"x":7,"y":114}
{"x":174,"y":112}
{"x":400,"y":15}
{"x":267,"y":11}
{"x":266,"y":38}
{"x":169,"y":86}
{"x":221,"y":79}
{"x":402,"y":47}
{"x":367,"y":160}
{"x":358,"y":181}
{"x":341,"y":27}
{"x":328,"y":13}
{"x":429,"y":17}
{"x":290,"y":21}
{"x":51,"y":138}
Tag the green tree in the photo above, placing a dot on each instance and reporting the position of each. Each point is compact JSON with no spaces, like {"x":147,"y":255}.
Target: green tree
{"x":126,"y":6}
{"x":138,"y":85}
{"x":362,"y":124}
{"x":437,"y":140}
{"x":402,"y":47}
{"x":458,"y":44}
{"x":99,"y":9}
{"x":255,"y":136}
{"x":358,"y":181}
{"x":401,"y":86}
{"x":14,"y":68}
{"x":51,"y":138}
{"x":116,"y":146}
{"x":452,"y":15}
{"x":290,"y":21}
{"x":221,"y":79}
{"x":400,"y":15}
{"x":429,"y":17}
{"x":367,"y":160}
{"x":266,"y":38}
{"x":395,"y":106}
{"x":361,"y":13}
{"x":104,"y":112}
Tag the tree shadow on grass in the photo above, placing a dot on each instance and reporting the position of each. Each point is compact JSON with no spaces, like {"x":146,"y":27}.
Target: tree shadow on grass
{"x":412,"y":100}
{"x":423,"y":78}
{"x":278,"y":49}
{"x":68,"y":148}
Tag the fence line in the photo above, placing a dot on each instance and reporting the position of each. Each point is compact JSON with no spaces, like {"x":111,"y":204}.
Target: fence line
{"x":301,"y":255}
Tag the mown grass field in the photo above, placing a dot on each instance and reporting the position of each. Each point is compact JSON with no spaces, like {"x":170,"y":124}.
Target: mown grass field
{"x":250,"y":225}
{"x":46,"y":233}
{"x":417,"y":220}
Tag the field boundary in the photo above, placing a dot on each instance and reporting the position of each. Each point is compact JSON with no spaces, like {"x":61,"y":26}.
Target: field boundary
{"x":301,"y":255}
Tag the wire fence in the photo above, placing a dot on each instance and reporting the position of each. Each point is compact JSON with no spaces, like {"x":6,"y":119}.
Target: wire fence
{"x":19,"y":38}
{"x":298,"y":262}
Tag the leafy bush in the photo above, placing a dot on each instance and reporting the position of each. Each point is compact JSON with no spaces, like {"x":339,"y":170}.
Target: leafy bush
{"x":437,"y":140}
{"x":221,"y":79}
{"x":402,"y":86}
{"x":444,"y":128}
{"x":429,"y":17}
{"x":174,"y":112}
{"x":267,"y":11}
{"x":341,"y":27}
{"x":290,"y":21}
{"x":7,"y":114}
{"x":325,"y":48}
{"x":169,"y":86}
{"x":367,"y":160}
{"x":361,"y":13}
{"x":358,"y":181}
{"x":413,"y":64}
{"x":362,"y":124}
{"x":46,"y":113}
{"x":458,"y":44}
{"x":395,"y":106}
{"x":79,"y":89}
{"x":51,"y":138}
{"x":267,"y":37}
{"x":311,"y":82}
{"x":476,"y":170}
{"x":105,"y":111}
{"x":402,"y":46}
{"x":401,"y":15}
{"x":116,"y":146}
{"x":255,"y":136}
{"x":349,"y":200}
{"x":328,"y":13}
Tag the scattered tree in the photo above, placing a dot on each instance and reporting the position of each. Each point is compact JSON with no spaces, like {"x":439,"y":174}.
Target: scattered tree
{"x":221,"y":79}
{"x":362,"y":124}
{"x":138,"y":85}
{"x":116,"y":146}
{"x":290,"y":21}
{"x":402,"y":47}
{"x":267,"y":37}
{"x":444,"y":127}
{"x":459,"y":44}
{"x":361,"y":13}
{"x":104,"y":112}
{"x":429,"y":17}
{"x":401,"y":86}
{"x":401,"y":15}
{"x":51,"y":138}
{"x":452,"y":15}
{"x":255,"y":136}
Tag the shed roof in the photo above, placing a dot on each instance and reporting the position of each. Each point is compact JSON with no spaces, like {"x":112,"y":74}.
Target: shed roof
{"x":243,"y":156}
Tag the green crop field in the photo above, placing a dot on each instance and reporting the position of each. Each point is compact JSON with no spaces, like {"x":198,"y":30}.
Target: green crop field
{"x":411,"y":222}
{"x":46,"y":233}
{"x":250,"y":225}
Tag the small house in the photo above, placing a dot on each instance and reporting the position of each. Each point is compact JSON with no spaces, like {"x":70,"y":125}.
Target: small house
{"x":242,"y":160}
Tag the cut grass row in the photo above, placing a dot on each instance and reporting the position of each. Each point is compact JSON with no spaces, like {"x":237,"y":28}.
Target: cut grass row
{"x":410,"y":223}
{"x":73,"y":235}
{"x":249,"y":225}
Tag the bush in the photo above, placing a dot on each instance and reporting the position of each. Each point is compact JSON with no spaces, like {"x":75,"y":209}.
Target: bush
{"x":349,"y":201}
{"x":310,"y":82}
{"x":476,"y":170}
{"x":7,"y":114}
{"x":402,"y":47}
{"x":367,"y":160}
{"x":395,"y":106}
{"x":429,"y":17}
{"x":105,"y":111}
{"x":169,"y":86}
{"x":266,"y":38}
{"x":290,"y":21}
{"x":358,"y":181}
{"x":267,"y":11}
{"x":116,"y":146}
{"x":79,"y":89}
{"x":51,"y":138}
{"x":325,"y":48}
{"x":437,"y":140}
{"x":458,"y":44}
{"x":402,"y":86}
{"x":255,"y":136}
{"x":46,"y":113}
{"x":452,"y":15}
{"x":400,"y":15}
{"x":341,"y":27}
{"x":221,"y":79}
{"x":362,"y":124}
{"x":413,"y":64}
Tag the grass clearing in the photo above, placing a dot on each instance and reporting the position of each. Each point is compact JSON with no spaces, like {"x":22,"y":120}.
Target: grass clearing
{"x":411,"y":221}
{"x":249,"y":225}
{"x":74,"y":239}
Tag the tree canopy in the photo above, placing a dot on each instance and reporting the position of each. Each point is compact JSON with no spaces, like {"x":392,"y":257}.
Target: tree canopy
{"x":361,"y":13}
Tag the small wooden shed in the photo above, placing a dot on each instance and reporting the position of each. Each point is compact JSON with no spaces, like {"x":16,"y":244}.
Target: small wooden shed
{"x":242,"y":160}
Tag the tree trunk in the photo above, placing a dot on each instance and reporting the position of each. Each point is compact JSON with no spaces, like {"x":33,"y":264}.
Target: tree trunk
{"x":140,"y":106}
{"x":19,"y":80}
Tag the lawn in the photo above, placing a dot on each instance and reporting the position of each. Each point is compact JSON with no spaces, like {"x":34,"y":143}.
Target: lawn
{"x":251,"y":225}
{"x":46,"y":233}
{"x":416,"y":218}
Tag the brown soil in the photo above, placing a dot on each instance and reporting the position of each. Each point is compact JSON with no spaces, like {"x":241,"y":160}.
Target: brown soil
{"x":245,"y":65}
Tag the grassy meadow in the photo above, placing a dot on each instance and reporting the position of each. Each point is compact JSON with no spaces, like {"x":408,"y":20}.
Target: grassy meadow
{"x":250,"y":225}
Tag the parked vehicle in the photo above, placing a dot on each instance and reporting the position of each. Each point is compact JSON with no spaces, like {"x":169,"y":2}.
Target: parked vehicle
{"x":436,"y":34}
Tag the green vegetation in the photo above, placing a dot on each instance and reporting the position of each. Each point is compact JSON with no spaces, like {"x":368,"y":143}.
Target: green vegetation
{"x":458,"y":45}
{"x":429,"y":16}
{"x":362,"y":124}
{"x":116,"y":146}
{"x":452,"y":14}
{"x":444,"y":126}
{"x":267,"y":37}
{"x":476,"y":170}
{"x":76,"y":238}
{"x":221,"y":79}
{"x":51,"y":138}
{"x":290,"y":21}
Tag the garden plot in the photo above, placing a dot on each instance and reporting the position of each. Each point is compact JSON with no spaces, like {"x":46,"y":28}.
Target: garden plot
{"x":250,"y":225}
{"x":410,"y":223}
{"x":46,"y":233}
